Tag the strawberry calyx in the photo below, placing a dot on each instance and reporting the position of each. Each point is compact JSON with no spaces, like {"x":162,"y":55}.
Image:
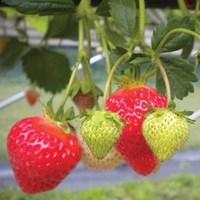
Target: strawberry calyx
{"x":126,"y":82}
{"x":60,"y":117}
{"x":101,"y":115}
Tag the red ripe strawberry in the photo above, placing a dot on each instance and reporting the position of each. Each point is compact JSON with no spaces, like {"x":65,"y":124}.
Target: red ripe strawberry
{"x":41,"y":153}
{"x":32,"y":96}
{"x":132,"y":105}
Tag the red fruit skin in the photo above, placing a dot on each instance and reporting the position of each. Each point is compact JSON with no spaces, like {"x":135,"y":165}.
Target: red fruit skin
{"x":132,"y":106}
{"x":32,"y":96}
{"x":41,"y":154}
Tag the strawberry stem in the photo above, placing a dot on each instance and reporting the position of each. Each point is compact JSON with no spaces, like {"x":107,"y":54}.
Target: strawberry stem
{"x":121,"y":59}
{"x":182,"y":6}
{"x":165,"y":79}
{"x":101,"y":35}
{"x":69,"y":85}
{"x":197,"y":7}
{"x":141,"y":19}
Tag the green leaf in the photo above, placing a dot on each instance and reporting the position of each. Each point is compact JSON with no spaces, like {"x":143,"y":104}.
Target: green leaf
{"x":42,"y":7}
{"x":37,"y":22}
{"x":69,"y":114}
{"x":124,"y":13}
{"x":116,"y":39}
{"x":103,"y":8}
{"x":48,"y":69}
{"x":177,"y":40}
{"x":187,"y":48}
{"x":181,"y":76}
{"x":13,"y":53}
{"x":63,"y":26}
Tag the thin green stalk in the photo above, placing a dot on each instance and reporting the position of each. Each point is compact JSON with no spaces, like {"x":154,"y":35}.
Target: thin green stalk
{"x":165,"y":78}
{"x":168,"y":35}
{"x":101,"y":36}
{"x":122,"y":59}
{"x":69,"y":85}
{"x":88,"y":35}
{"x":141,"y":18}
{"x":182,"y":6}
{"x":81,"y":39}
{"x":197,"y":7}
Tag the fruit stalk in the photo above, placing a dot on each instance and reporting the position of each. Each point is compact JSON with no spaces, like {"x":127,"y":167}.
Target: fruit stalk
{"x":69,"y":85}
{"x":121,"y":59}
{"x":84,"y":58}
{"x":141,"y":18}
{"x":101,"y":34}
{"x":182,"y":6}
{"x":165,"y":79}
{"x":197,"y":7}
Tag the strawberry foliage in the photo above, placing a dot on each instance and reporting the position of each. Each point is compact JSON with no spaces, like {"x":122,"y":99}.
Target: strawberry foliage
{"x":110,"y":130}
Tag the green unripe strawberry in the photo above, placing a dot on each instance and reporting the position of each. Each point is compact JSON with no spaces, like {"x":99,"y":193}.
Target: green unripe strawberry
{"x":101,"y":130}
{"x":165,"y":132}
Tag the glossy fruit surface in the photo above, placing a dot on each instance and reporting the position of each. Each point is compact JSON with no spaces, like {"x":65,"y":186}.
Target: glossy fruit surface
{"x":132,"y":105}
{"x":41,"y":154}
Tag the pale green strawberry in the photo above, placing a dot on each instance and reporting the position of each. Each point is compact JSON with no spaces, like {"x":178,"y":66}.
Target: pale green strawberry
{"x":165,"y":132}
{"x":101,"y":130}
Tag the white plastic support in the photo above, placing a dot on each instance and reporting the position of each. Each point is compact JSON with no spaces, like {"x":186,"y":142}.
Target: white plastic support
{"x":195,"y":116}
{"x":93,"y":60}
{"x":12,"y":100}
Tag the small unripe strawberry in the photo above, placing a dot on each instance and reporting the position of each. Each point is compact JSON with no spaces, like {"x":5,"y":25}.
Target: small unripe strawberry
{"x":166,"y":132}
{"x":32,"y":96}
{"x":112,"y":160}
{"x":84,"y":101}
{"x":101,"y":130}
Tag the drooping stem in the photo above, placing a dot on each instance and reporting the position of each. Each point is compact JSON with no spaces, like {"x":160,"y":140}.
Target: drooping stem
{"x":102,"y":38}
{"x":168,"y":35}
{"x":71,"y":81}
{"x":197,"y":7}
{"x":165,"y":78}
{"x":182,"y":6}
{"x":122,"y":59}
{"x":88,"y":35}
{"x":141,"y":18}
{"x":81,"y":39}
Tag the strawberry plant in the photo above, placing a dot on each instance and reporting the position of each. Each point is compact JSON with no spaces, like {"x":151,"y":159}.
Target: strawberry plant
{"x":135,"y":121}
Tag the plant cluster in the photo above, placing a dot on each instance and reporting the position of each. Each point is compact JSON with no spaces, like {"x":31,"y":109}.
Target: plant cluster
{"x":136,"y":124}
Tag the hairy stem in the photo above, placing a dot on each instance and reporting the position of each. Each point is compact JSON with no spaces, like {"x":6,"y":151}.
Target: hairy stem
{"x":197,"y":7}
{"x":165,"y":78}
{"x":69,"y":85}
{"x":122,"y":59}
{"x":102,"y":38}
{"x":141,"y":18}
{"x":182,"y":6}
